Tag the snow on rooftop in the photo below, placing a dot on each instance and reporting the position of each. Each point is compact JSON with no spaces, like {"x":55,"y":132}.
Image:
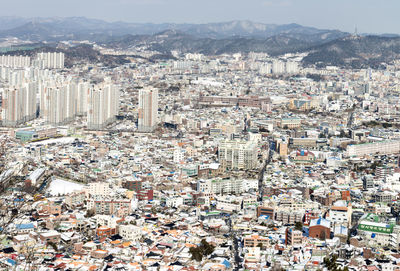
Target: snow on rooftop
{"x":62,"y":140}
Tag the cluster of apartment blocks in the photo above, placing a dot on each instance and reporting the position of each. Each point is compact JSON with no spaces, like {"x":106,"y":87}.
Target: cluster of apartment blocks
{"x":44,"y":60}
{"x":60,"y":99}
{"x":61,"y":104}
{"x":279,"y":67}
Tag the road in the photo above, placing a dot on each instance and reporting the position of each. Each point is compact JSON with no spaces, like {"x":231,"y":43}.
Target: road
{"x":233,"y":233}
{"x":235,"y":243}
{"x":351,"y":119}
{"x":261,"y":176}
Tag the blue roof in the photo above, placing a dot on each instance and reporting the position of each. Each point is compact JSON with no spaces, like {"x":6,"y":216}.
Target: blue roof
{"x":11,"y":261}
{"x":25,"y":226}
{"x":26,"y":132}
{"x":320,"y":221}
{"x":226,"y":263}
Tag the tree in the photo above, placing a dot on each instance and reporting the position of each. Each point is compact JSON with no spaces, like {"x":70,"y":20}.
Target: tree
{"x":298,"y":226}
{"x":204,"y":249}
{"x":331,"y":264}
{"x":53,"y":245}
{"x":207,"y":248}
{"x":90,"y":213}
{"x":196,"y":254}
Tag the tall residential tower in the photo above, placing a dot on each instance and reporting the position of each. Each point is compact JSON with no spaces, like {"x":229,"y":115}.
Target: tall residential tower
{"x":148,"y":110}
{"x":103,"y":105}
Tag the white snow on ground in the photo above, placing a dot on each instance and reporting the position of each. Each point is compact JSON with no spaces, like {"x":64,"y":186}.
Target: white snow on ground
{"x":209,"y":82}
{"x":61,"y":140}
{"x":62,"y":187}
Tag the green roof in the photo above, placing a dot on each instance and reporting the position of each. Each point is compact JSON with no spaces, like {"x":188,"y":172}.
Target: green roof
{"x":376,"y":228}
{"x":213,"y":213}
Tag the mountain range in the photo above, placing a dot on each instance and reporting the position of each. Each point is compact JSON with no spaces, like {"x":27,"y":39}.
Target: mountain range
{"x":38,"y":29}
{"x":324,"y":47}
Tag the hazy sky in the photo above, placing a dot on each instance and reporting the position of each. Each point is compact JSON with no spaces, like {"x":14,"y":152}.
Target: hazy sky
{"x":371,"y":16}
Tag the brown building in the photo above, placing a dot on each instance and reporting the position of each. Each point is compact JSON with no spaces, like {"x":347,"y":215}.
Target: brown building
{"x":50,"y":236}
{"x":256,"y":240}
{"x":104,"y":231}
{"x":262,"y":210}
{"x":320,"y":228}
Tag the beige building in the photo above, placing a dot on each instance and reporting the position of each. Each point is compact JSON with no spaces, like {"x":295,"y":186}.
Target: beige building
{"x":238,"y":154}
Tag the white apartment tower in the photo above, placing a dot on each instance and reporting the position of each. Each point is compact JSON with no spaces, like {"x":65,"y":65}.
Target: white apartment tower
{"x":148,"y":110}
{"x":15,"y":61}
{"x":103,"y":105}
{"x":50,"y":60}
{"x":83,"y":90}
{"x":58,"y":104}
{"x":19,"y":105}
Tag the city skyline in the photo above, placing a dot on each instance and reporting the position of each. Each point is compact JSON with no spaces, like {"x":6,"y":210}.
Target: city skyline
{"x":368,"y":16}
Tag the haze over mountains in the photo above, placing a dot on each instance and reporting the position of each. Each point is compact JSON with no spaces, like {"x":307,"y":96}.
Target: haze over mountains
{"x":324,"y":46}
{"x":56,"y":28}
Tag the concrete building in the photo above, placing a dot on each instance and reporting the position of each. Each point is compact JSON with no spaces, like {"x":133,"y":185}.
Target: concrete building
{"x":340,"y":215}
{"x":15,"y":61}
{"x":103,"y":106}
{"x":383,"y":147}
{"x":130,"y":232}
{"x":58,"y":104}
{"x":293,"y":237}
{"x":148,"y":110}
{"x":226,"y":186}
{"x":83,"y":90}
{"x":19,"y":105}
{"x":238,"y":154}
{"x":255,"y":240}
{"x":98,"y":189}
{"x":47,"y":60}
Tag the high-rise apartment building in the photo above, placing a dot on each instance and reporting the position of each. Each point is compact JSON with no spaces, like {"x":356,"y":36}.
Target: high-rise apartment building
{"x":50,"y":60}
{"x":19,"y":105}
{"x":15,"y":61}
{"x":103,"y":106}
{"x":58,"y":104}
{"x":83,"y":89}
{"x":148,"y":110}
